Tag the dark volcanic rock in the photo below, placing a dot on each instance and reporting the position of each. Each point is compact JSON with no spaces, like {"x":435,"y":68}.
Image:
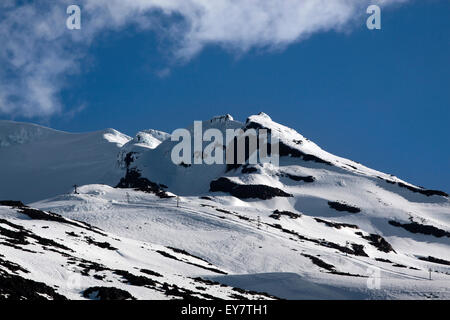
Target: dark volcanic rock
{"x":277,"y":214}
{"x":50,"y":216}
{"x":379,"y":242}
{"x":11,"y":266}
{"x":337,"y":225}
{"x":358,"y":250}
{"x":383,"y":260}
{"x":107,"y":293}
{"x":289,"y":151}
{"x":168,"y":255}
{"x":181,"y":251}
{"x":20,"y":236}
{"x":435,"y":260}
{"x":355,"y":249}
{"x":320,"y":262}
{"x":415,"y":227}
{"x":134,"y":180}
{"x":14,"y":287}
{"x":340,"y":206}
{"x":174,"y":290}
{"x":151,"y":273}
{"x":129,"y":158}
{"x":88,"y":266}
{"x":104,"y":245}
{"x":41,"y":215}
{"x":300,"y":178}
{"x":11,"y":203}
{"x":425,"y":192}
{"x":329,"y":267}
{"x":135,"y":280}
{"x":242,"y":191}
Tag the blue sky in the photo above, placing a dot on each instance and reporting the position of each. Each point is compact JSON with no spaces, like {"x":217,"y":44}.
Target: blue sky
{"x":377,"y":97}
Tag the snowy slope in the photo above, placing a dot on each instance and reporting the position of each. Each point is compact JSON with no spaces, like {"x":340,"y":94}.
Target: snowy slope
{"x":46,"y":256}
{"x":38,"y":162}
{"x":316,"y":226}
{"x":225,"y":232}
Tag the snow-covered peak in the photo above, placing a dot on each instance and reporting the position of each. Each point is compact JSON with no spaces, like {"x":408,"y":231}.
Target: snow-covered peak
{"x":150,"y":138}
{"x":260,"y":116}
{"x":18,"y":133}
{"x":114,"y":136}
{"x":262,"y":120}
{"x":145,"y":139}
{"x":222,"y":118}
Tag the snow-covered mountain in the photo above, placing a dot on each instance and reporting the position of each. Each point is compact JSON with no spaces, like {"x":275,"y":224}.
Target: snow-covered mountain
{"x":316,"y":226}
{"x":38,"y":162}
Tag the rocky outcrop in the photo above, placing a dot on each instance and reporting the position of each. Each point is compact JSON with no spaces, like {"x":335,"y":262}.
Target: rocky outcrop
{"x":134,"y":180}
{"x":415,"y":227}
{"x":107,"y":293}
{"x":277,"y":214}
{"x":341,"y":206}
{"x":14,"y":287}
{"x":241,"y":191}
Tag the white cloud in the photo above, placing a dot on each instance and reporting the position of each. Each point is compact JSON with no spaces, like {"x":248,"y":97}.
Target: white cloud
{"x":37,"y":50}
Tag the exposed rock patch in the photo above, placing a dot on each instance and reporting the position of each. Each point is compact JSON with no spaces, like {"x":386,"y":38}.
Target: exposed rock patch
{"x":103,"y":245}
{"x":425,"y":192}
{"x":242,"y":191}
{"x":11,"y":266}
{"x":14,"y":287}
{"x":11,"y":203}
{"x":415,"y":227}
{"x":337,"y":225}
{"x":435,"y":260}
{"x":134,"y":280}
{"x":383,"y":260}
{"x":168,"y":255}
{"x":356,"y":249}
{"x":277,"y":214}
{"x":379,"y":242}
{"x":308,"y":179}
{"x":134,"y":180}
{"x":319,"y":262}
{"x":341,"y":206}
{"x":107,"y":293}
{"x":20,"y":236}
{"x":151,"y":273}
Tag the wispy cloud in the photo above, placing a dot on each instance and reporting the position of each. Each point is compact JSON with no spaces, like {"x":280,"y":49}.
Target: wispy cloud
{"x":37,"y":52}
